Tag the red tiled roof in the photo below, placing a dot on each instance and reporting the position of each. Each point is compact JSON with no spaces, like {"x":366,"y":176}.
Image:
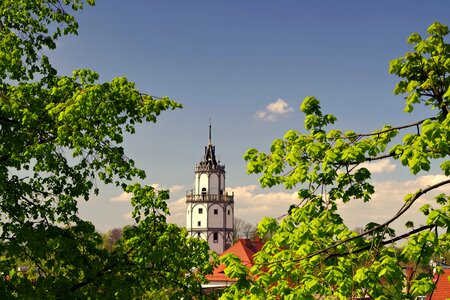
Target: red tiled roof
{"x":244,"y":249}
{"x":442,"y":291}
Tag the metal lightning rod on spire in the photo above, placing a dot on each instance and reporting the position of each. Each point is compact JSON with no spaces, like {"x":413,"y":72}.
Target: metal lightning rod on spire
{"x":209,"y":131}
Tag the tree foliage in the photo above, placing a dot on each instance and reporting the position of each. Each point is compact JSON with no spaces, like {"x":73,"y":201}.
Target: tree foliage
{"x":111,"y":238}
{"x":242,"y":229}
{"x":59,"y":136}
{"x":313,"y":254}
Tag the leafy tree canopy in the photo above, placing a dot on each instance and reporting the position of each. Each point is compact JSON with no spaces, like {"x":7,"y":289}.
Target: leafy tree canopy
{"x":313,"y":254}
{"x":242,"y":229}
{"x":59,"y":136}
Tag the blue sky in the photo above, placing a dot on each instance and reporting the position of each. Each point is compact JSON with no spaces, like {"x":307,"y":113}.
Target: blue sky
{"x":228,"y":61}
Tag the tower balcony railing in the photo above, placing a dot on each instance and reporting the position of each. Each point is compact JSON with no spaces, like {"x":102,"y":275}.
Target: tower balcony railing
{"x":225,"y":197}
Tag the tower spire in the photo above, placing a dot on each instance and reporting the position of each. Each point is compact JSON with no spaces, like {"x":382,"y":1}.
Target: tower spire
{"x":210,"y":156}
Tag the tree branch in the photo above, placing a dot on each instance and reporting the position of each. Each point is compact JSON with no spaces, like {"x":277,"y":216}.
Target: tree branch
{"x":402,"y":210}
{"x":383,"y":243}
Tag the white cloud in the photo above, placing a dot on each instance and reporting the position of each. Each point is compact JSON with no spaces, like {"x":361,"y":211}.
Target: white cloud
{"x":156,"y":186}
{"x":264,"y":116}
{"x":127,"y":216}
{"x":176,"y":188}
{"x":388,"y":199}
{"x":243,"y":191}
{"x":279,"y":107}
{"x":123,"y":197}
{"x":253,"y":203}
{"x":274,"y":110}
{"x":173,"y":189}
{"x":177,"y":212}
{"x":381,"y":166}
{"x":126,"y":197}
{"x":250,"y":205}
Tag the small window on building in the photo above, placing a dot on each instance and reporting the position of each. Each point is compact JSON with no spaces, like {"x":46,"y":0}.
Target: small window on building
{"x":199,"y":223}
{"x":216,"y":211}
{"x":200,"y":210}
{"x":203,"y":191}
{"x":198,"y":234}
{"x":228,"y":212}
{"x":215,"y":237}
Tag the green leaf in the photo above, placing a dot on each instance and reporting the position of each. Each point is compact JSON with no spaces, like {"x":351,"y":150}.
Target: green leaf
{"x":447,"y":94}
{"x":414,"y":38}
{"x":310,"y":105}
{"x":409,"y":224}
{"x":438,"y":29}
{"x":445,"y":167}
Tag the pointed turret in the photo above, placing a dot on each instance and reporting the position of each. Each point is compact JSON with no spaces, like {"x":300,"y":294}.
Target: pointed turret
{"x":210,"y":153}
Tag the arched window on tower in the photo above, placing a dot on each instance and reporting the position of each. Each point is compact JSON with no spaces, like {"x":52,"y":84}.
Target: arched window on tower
{"x":203,"y":193}
{"x":215,"y":237}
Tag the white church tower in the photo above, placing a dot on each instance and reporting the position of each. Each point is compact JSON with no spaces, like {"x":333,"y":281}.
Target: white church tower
{"x":210,"y":209}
